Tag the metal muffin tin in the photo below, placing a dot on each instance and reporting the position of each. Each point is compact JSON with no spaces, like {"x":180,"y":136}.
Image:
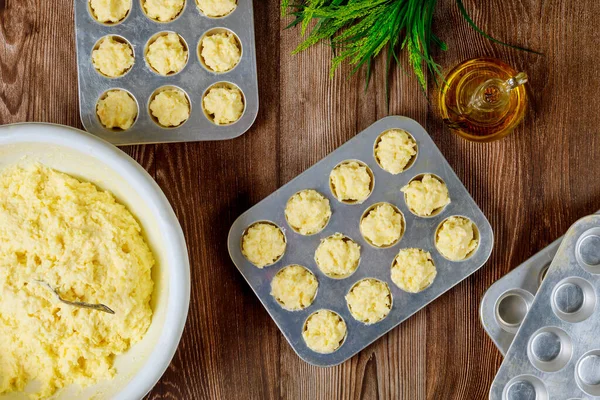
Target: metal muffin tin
{"x":505,"y":304}
{"x":375,"y":263}
{"x":555,"y":353}
{"x":141,"y":82}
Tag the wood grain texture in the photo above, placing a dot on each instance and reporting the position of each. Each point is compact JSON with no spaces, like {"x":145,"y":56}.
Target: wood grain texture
{"x":531,"y":185}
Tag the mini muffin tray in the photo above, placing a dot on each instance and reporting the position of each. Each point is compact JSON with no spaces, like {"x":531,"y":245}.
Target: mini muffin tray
{"x":141,"y":81}
{"x":375,"y":262}
{"x":555,"y":353}
{"x":505,"y":304}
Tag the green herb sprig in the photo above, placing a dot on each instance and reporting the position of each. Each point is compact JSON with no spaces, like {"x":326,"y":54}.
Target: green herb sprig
{"x":358,"y":30}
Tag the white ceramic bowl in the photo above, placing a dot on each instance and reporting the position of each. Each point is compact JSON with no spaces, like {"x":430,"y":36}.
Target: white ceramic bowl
{"x":91,"y":159}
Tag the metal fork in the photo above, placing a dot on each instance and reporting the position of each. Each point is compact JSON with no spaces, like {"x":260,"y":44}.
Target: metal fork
{"x":80,"y":304}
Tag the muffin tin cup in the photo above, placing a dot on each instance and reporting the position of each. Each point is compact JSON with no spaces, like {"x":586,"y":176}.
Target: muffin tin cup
{"x":557,"y":341}
{"x":141,"y":81}
{"x":375,"y":263}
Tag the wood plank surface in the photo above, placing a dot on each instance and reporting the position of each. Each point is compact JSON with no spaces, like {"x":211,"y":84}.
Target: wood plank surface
{"x":531,"y":186}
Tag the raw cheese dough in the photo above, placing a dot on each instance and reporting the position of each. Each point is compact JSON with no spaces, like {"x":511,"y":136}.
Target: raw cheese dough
{"x":112,"y":58}
{"x":170,"y":107}
{"x":426,"y":196}
{"x":110,"y":11}
{"x":369,"y":301}
{"x":167,"y":54}
{"x":307,"y":212}
{"x":163,"y":10}
{"x":351,"y":182}
{"x":337,"y":256}
{"x":383,"y":226}
{"x":216,"y":8}
{"x":220,"y":51}
{"x":294,"y":287}
{"x":455,"y":239}
{"x":394,"y":150}
{"x":413,"y":270}
{"x":324,"y":331}
{"x":117,"y":110}
{"x":89,"y":247}
{"x":224,"y":105}
{"x":263,"y":244}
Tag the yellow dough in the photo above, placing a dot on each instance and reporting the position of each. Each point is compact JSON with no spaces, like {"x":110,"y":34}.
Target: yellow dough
{"x":117,"y":110}
{"x":324,"y":331}
{"x":394,"y":150}
{"x":294,"y":287}
{"x":382,"y":226}
{"x":455,"y":239}
{"x":112,"y":58}
{"x":263,"y":244}
{"x":425,"y":196}
{"x":163,"y":10}
{"x":337,"y":256}
{"x":170,"y":107}
{"x":225,"y":105}
{"x":351,"y":181}
{"x":220,"y":51}
{"x":369,"y":301}
{"x":216,"y":8}
{"x":307,"y":212}
{"x":108,"y":11}
{"x":89,"y":247}
{"x":413,"y":270}
{"x":167,"y":55}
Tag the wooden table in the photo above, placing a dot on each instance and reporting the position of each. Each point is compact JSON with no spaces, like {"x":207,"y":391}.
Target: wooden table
{"x":531,"y":185}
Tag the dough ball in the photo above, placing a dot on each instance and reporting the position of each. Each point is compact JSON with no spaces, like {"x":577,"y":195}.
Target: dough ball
{"x":307,"y":212}
{"x":112,"y":58}
{"x":170,"y":107}
{"x":220,"y":51}
{"x":351,"y":182}
{"x":167,"y":54}
{"x":163,"y":10}
{"x":455,"y":239}
{"x":216,"y":8}
{"x":426,"y":196}
{"x":294,"y":287}
{"x":324,"y":331}
{"x":413,"y":270}
{"x":394,"y":150}
{"x":337,"y":256}
{"x":117,"y":110}
{"x":224,"y":105}
{"x":263,"y":244}
{"x":110,"y":11}
{"x":369,"y":301}
{"x":383,"y":226}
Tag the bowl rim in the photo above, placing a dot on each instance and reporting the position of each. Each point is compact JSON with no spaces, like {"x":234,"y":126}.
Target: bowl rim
{"x":178,"y":261}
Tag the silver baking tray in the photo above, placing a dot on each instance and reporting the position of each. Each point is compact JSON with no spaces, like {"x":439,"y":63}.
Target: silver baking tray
{"x":555,"y":353}
{"x":141,"y":82}
{"x":375,"y":263}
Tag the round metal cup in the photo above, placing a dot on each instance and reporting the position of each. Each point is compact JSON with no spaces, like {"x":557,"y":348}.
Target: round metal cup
{"x":212,"y":32}
{"x":391,"y":297}
{"x":410,"y":162}
{"x":311,"y":301}
{"x":117,"y":38}
{"x":264,"y":222}
{"x":371,"y":185}
{"x":162,"y":89}
{"x":344,"y":237}
{"x":475,"y":236}
{"x":587,"y":250}
{"x":103,"y":96}
{"x":223,"y":84}
{"x":153,"y":38}
{"x":511,"y":308}
{"x":573,"y":299}
{"x":587,"y":373}
{"x":341,"y":341}
{"x":435,"y":212}
{"x":366,"y":213}
{"x":550,"y":349}
{"x":525,"y":387}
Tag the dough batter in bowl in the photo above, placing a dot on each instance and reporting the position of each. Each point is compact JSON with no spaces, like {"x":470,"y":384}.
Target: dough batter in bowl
{"x":351,"y":182}
{"x":457,"y":238}
{"x":426,"y":196}
{"x":216,"y":8}
{"x":117,"y":109}
{"x":382,"y":225}
{"x":220,"y":50}
{"x":413,"y":270}
{"x":167,"y":53}
{"x":338,"y":256}
{"x":307,"y":212}
{"x":395,"y":151}
{"x":170,"y":107}
{"x":112,"y":56}
{"x":263,"y":244}
{"x":163,"y":10}
{"x":223,"y":103}
{"x":110,"y":11}
{"x":369,"y":300}
{"x":294,"y":287}
{"x":324,"y":331}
